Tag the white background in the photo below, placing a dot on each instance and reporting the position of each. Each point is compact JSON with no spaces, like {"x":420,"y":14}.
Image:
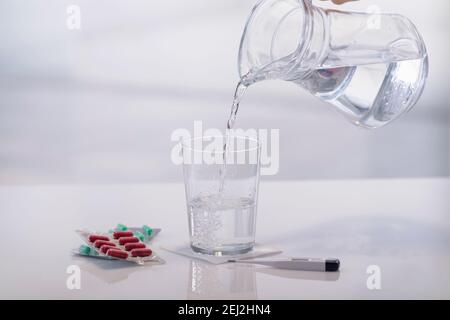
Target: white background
{"x":98,"y":105}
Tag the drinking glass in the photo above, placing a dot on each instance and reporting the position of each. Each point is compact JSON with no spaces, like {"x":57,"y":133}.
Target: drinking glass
{"x":221,"y":176}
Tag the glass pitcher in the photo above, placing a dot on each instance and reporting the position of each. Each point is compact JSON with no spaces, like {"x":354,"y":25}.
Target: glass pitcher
{"x":371,"y":67}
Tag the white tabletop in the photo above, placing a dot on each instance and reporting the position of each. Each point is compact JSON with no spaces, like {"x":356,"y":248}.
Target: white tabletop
{"x":401,"y":226}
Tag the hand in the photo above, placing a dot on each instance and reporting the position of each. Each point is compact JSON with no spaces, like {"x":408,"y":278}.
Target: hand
{"x":340,"y":1}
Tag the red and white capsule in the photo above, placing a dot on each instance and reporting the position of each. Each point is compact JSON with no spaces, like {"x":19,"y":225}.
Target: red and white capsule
{"x":95,"y":237}
{"x":120,"y":234}
{"x":99,"y":243}
{"x":135,"y":245}
{"x":125,"y":240}
{"x":141,"y":252}
{"x":116,"y":253}
{"x":104,"y":249}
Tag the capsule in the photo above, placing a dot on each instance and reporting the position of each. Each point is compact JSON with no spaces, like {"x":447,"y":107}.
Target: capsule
{"x":140,"y":236}
{"x":120,"y":234}
{"x":116,"y":253}
{"x":104,"y":248}
{"x":100,"y":243}
{"x":141,"y":252}
{"x":135,"y":245}
{"x":125,"y":240}
{"x":95,"y":237}
{"x":147,"y":230}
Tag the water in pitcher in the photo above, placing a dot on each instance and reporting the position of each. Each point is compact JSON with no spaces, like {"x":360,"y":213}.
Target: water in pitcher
{"x":370,"y":95}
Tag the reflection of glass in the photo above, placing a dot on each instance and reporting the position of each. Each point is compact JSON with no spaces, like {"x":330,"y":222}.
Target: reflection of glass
{"x":221,"y":193}
{"x":225,"y":281}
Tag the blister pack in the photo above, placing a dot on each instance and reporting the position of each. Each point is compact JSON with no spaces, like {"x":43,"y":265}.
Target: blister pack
{"x":122,"y":243}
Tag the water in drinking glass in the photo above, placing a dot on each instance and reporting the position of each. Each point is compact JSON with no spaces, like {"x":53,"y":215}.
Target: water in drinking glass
{"x":225,"y":224}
